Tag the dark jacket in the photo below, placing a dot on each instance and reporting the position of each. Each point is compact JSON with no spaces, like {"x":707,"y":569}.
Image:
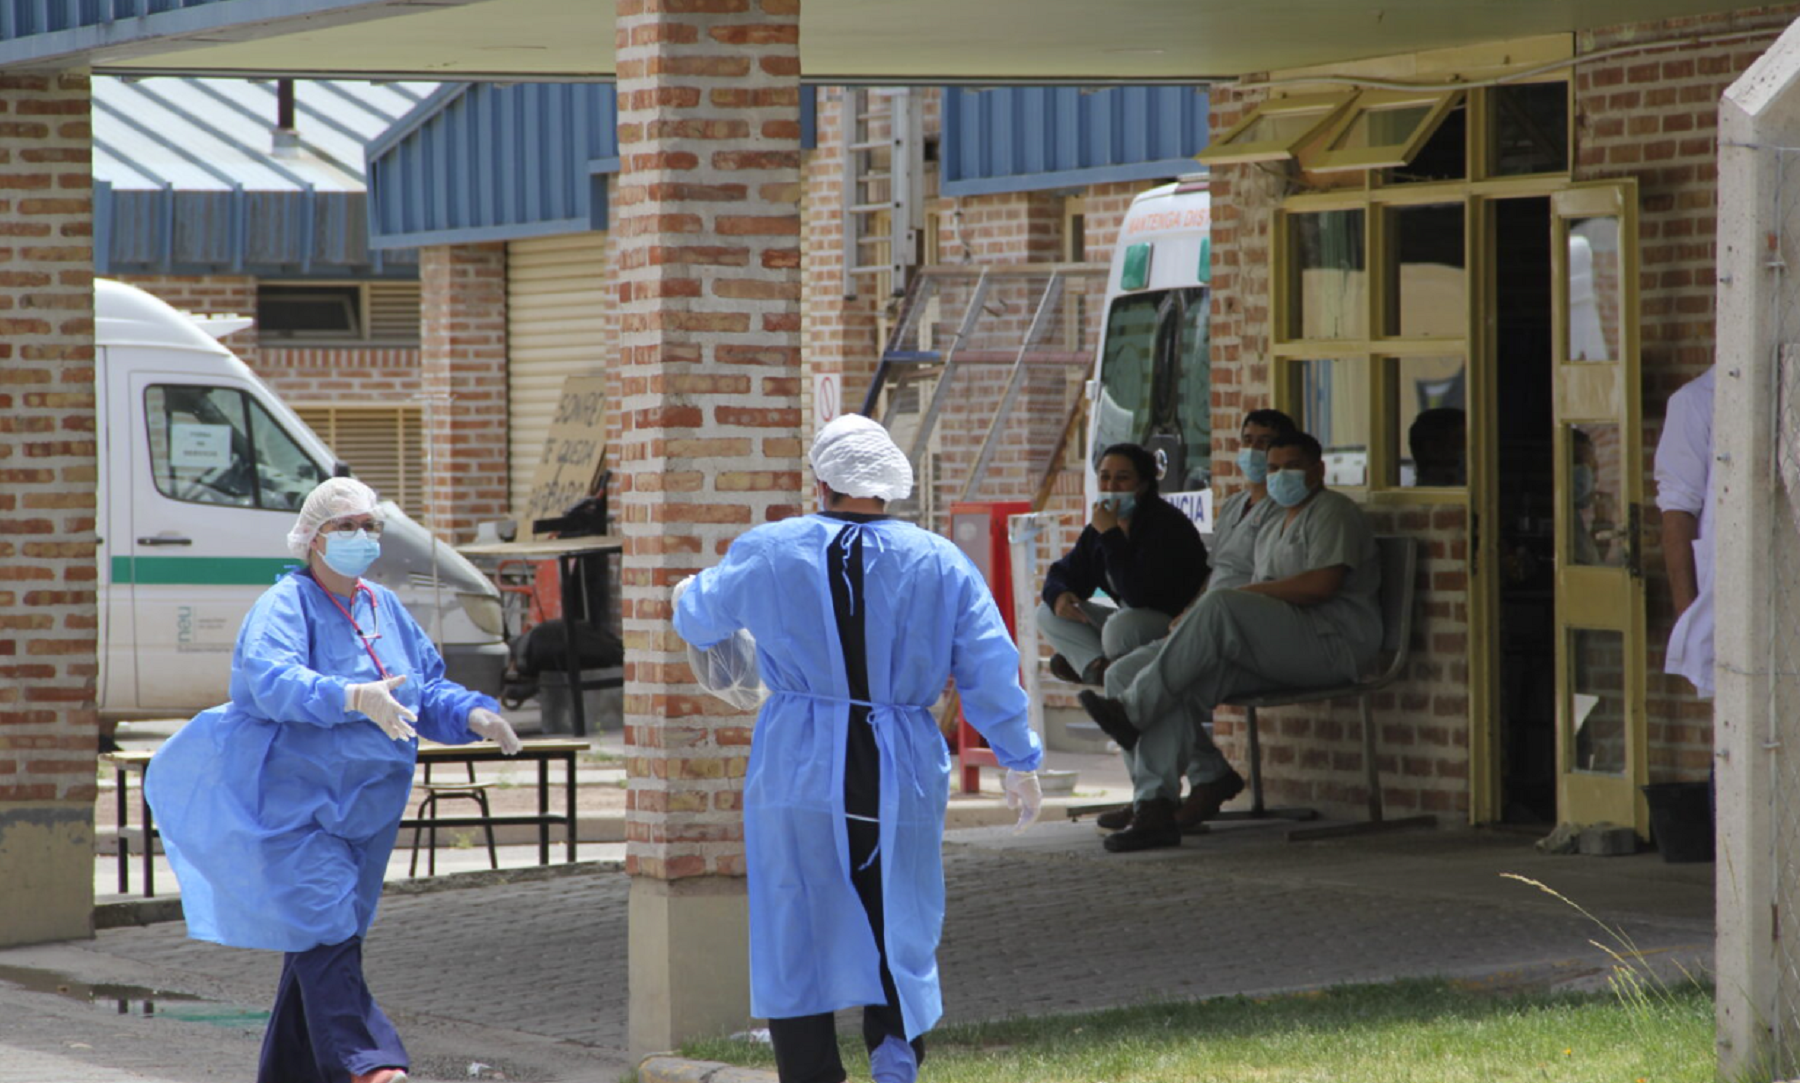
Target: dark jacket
{"x":1161,"y":565}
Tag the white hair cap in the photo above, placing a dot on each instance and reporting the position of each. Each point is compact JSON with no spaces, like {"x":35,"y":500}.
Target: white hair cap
{"x":335,"y":498}
{"x":856,"y":456}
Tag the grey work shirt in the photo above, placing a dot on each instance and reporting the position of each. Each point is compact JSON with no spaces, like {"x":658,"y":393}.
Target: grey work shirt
{"x":1233,"y":549}
{"x":1329,"y":531}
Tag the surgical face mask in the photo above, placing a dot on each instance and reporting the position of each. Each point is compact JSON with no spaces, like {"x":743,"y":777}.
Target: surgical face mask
{"x":351,"y":555}
{"x":1253,"y":464}
{"x":1582,"y":478}
{"x":1288,"y":487}
{"x":1122,"y":504}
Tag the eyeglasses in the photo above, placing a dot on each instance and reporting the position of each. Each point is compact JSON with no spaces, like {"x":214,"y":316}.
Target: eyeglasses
{"x":349,"y":529}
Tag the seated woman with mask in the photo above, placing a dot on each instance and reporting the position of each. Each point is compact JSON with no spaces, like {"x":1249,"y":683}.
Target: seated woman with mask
{"x":1142,"y":551}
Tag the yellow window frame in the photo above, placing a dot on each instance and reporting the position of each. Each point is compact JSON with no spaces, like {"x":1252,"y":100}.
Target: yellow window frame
{"x":1322,"y":108}
{"x":1392,"y":154}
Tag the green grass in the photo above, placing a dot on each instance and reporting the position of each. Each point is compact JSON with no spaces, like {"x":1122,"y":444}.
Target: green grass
{"x":1405,"y":1032}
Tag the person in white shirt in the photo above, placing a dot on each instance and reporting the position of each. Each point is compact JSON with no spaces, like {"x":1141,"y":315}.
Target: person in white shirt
{"x":1684,"y":495}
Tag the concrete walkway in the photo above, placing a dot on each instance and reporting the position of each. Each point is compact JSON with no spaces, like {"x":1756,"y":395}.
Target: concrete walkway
{"x":527,"y":978}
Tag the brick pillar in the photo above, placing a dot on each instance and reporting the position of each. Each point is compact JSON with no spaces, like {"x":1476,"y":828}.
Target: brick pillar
{"x":707,"y":232}
{"x":48,"y":617}
{"x":462,"y":331}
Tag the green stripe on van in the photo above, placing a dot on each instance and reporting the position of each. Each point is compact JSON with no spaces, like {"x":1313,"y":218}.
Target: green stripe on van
{"x":201,"y":571}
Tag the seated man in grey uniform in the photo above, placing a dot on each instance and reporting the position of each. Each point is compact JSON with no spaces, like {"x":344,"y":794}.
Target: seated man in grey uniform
{"x":1236,"y":523}
{"x":1311,"y":616}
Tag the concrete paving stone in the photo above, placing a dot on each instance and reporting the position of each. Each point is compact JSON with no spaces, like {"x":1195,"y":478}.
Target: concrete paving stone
{"x":531,"y":976}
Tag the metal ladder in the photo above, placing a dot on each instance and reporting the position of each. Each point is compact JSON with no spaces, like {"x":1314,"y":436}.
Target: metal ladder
{"x":906,"y":358}
{"x":883,"y":172}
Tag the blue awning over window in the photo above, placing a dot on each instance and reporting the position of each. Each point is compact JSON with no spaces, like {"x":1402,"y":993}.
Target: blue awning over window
{"x":482,"y":162}
{"x":1016,"y":139}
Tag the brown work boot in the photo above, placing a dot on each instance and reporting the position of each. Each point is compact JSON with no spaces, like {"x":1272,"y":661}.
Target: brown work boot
{"x":1152,"y":826}
{"x":1205,"y":800}
{"x":1111,"y":716}
{"x":1114,"y":820}
{"x":1063,"y":670}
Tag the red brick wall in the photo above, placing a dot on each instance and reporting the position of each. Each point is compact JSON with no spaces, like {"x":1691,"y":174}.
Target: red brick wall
{"x":1653,"y":115}
{"x":463,"y":371}
{"x":707,"y":229}
{"x":48,"y":471}
{"x":306,"y":375}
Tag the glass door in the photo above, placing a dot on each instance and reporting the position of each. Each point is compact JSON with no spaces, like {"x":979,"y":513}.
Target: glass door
{"x":1599,"y":478}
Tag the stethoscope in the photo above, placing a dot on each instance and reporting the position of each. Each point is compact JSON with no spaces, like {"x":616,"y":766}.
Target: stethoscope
{"x":368,"y":638}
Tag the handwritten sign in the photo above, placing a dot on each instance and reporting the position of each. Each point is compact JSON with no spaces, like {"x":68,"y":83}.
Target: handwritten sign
{"x":573,"y":453}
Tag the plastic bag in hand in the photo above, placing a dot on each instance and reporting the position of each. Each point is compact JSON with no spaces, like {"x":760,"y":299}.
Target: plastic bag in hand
{"x":728,"y":668}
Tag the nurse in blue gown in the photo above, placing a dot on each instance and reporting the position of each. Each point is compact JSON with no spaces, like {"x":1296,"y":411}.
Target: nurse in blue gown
{"x":858,"y":620}
{"x":278,"y":809}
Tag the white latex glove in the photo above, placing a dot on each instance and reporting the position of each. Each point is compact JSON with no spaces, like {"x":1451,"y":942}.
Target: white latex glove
{"x":1022,"y":793}
{"x":491,"y":727}
{"x":376,"y":699}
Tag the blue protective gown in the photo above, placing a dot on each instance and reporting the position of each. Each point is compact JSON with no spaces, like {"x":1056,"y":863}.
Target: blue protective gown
{"x":929,"y":616}
{"x":278,"y":810}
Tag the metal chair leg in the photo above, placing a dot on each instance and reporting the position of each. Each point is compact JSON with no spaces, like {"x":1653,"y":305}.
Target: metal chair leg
{"x":427,"y":805}
{"x":1376,"y":822}
{"x":1257,"y":810}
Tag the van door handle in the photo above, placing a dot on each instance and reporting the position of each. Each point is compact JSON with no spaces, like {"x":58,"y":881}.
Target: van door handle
{"x":165,"y":539}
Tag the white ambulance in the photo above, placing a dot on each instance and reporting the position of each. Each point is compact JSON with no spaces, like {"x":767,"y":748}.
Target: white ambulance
{"x":1153,"y":373}
{"x":202,"y":469}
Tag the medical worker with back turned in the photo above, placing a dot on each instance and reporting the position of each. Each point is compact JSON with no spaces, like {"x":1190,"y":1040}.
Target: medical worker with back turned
{"x":278,"y":809}
{"x":858,"y":621}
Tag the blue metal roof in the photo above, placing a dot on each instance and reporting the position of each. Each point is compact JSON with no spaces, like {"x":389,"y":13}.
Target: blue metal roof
{"x":192,"y":178}
{"x":483,"y":162}
{"x":1014,"y":139}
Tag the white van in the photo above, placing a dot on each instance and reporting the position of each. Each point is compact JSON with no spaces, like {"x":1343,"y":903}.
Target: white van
{"x":1153,"y":372}
{"x":202,"y":469}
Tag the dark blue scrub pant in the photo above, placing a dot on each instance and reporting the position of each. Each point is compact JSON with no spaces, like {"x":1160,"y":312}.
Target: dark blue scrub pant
{"x":325,"y":1026}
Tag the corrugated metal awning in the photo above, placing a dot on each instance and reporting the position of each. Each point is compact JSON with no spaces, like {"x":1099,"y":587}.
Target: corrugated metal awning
{"x":1014,"y":139}
{"x":193,"y":177}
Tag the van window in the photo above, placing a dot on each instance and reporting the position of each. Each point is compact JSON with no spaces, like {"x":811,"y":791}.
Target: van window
{"x":1156,"y":383}
{"x":216,"y":445}
{"x":284,"y":473}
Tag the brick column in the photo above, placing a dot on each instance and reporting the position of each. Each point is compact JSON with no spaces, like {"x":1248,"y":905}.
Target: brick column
{"x":48,"y":617}
{"x":462,"y":333}
{"x":707,"y":232}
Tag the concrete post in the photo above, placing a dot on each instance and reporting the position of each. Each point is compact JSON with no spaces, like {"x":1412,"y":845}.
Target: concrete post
{"x":1759,"y":113}
{"x":48,"y":474}
{"x":708,"y":255}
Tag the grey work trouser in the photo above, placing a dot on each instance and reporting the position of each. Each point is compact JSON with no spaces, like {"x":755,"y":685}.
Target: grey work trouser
{"x":1232,"y":643}
{"x":1109,"y":632}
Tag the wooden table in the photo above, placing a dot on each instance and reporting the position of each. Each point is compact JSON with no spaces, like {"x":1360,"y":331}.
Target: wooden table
{"x":542,"y":751}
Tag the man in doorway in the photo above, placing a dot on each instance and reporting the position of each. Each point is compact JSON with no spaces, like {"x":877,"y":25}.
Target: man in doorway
{"x":1684,"y":495}
{"x":1233,"y":556}
{"x":1311,"y":616}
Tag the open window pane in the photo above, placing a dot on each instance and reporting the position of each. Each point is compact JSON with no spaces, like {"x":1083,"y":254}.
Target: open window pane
{"x":1331,"y":401}
{"x":1530,"y":126}
{"x":1329,"y":266}
{"x":1595,"y":286}
{"x":1427,"y":281}
{"x":1382,"y":130}
{"x":1276,"y":130}
{"x":1595,"y":487}
{"x":1431,"y":437}
{"x":1597,"y":709}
